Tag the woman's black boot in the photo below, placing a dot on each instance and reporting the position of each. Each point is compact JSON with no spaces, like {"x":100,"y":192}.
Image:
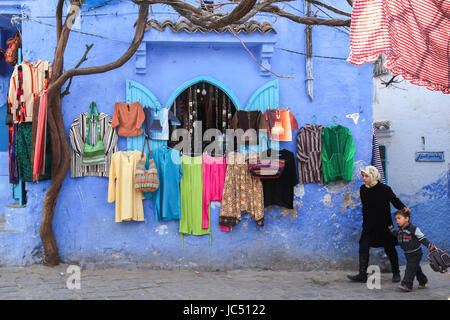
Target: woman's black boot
{"x":363,"y":264}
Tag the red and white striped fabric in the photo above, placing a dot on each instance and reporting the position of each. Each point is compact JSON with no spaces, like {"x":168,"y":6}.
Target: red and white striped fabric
{"x":413,"y":34}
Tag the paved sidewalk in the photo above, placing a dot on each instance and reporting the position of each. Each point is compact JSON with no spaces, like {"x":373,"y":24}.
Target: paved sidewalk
{"x":39,"y":282}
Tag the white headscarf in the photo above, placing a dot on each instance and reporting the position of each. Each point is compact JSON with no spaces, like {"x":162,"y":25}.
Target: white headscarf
{"x":374,"y":175}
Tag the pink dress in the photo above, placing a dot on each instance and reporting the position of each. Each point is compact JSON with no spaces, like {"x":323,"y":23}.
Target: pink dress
{"x":214,"y":171}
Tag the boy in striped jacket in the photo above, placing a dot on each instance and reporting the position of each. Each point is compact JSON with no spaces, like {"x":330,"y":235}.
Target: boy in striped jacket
{"x":409,"y":238}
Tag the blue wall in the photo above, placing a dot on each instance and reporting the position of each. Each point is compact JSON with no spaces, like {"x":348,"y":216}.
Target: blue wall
{"x":323,"y":229}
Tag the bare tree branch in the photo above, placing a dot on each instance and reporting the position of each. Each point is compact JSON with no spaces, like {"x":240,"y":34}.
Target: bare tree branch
{"x":58,"y":61}
{"x":247,"y":9}
{"x":139,"y":34}
{"x":253,"y":57}
{"x":306,"y":20}
{"x":350,"y":2}
{"x":83,"y":59}
{"x":331,"y":8}
{"x":59,"y":12}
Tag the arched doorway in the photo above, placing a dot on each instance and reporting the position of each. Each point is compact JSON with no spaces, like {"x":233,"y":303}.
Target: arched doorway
{"x":202,"y":103}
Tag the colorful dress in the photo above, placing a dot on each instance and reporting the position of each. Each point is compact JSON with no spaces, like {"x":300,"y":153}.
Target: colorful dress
{"x":214,"y":171}
{"x":121,"y":186}
{"x":167,"y":197}
{"x":23,"y":153}
{"x":241,"y":193}
{"x":192,"y":197}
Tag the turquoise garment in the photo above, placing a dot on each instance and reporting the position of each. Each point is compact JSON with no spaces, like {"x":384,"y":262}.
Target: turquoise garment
{"x":166,"y":199}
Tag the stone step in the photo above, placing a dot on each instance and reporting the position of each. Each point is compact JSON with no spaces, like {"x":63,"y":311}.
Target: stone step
{"x":18,"y":217}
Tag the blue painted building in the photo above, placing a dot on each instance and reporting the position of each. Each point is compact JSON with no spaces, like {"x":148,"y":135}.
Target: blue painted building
{"x":321,"y":232}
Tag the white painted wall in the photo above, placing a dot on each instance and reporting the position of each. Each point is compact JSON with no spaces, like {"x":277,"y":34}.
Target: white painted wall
{"x":414,"y":111}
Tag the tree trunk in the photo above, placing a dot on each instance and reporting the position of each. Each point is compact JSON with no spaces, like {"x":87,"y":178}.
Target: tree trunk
{"x":60,"y":167}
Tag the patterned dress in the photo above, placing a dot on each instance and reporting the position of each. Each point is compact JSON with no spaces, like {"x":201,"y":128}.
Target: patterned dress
{"x":242,"y":193}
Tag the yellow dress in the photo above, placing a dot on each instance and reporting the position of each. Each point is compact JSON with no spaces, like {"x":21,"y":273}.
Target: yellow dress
{"x":121,"y":186}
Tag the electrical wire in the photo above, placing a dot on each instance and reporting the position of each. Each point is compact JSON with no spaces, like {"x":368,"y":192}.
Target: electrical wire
{"x":315,"y":56}
{"x":76,"y":31}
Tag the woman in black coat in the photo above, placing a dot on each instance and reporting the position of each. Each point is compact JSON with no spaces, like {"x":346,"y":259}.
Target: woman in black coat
{"x":376,"y":198}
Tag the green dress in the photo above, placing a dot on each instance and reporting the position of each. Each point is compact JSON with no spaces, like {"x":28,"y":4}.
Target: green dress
{"x":23,"y":153}
{"x":191,"y":190}
{"x":338,"y":152}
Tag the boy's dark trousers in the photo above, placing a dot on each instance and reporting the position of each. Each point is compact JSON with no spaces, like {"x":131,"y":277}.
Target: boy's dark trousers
{"x":413,"y":269}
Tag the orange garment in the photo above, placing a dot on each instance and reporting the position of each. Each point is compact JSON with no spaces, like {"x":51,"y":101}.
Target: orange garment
{"x":129,"y":118}
{"x":281,"y":123}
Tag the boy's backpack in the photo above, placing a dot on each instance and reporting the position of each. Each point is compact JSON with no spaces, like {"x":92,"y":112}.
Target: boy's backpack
{"x":439,"y":260}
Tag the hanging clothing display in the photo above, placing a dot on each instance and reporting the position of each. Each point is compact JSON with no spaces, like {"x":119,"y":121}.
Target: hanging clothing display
{"x":338,"y":152}
{"x":121,"y":186}
{"x":128,"y":117}
{"x":26,"y":83}
{"x":23,"y":154}
{"x":376,"y":158}
{"x":280,"y":124}
{"x":280,"y":191}
{"x":412,"y":34}
{"x":246,"y":120}
{"x":157,"y":122}
{"x":166,"y":199}
{"x":77,"y":135}
{"x":191,"y":187}
{"x":13,"y":165}
{"x":309,"y":154}
{"x":214,"y":171}
{"x":241,"y":193}
{"x":39,"y":132}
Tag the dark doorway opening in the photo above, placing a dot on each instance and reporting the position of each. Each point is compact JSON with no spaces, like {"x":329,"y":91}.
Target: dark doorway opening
{"x":202,"y":103}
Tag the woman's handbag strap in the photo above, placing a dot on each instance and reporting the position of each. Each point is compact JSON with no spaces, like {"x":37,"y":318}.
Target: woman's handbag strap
{"x":148,"y":146}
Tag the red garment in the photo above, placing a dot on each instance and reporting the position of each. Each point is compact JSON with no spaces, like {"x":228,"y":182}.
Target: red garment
{"x":39,"y":154}
{"x":413,"y":34}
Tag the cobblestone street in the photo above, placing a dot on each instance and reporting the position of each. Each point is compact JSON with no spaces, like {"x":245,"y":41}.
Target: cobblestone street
{"x":39,"y":282}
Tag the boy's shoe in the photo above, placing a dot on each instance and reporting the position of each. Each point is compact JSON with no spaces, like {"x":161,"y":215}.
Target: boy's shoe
{"x":422,"y":285}
{"x":405,"y":288}
{"x":396,"y":277}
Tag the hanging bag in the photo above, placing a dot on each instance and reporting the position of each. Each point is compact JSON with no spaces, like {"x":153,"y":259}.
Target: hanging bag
{"x":11,"y":54}
{"x":146,"y":180}
{"x":93,"y":155}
